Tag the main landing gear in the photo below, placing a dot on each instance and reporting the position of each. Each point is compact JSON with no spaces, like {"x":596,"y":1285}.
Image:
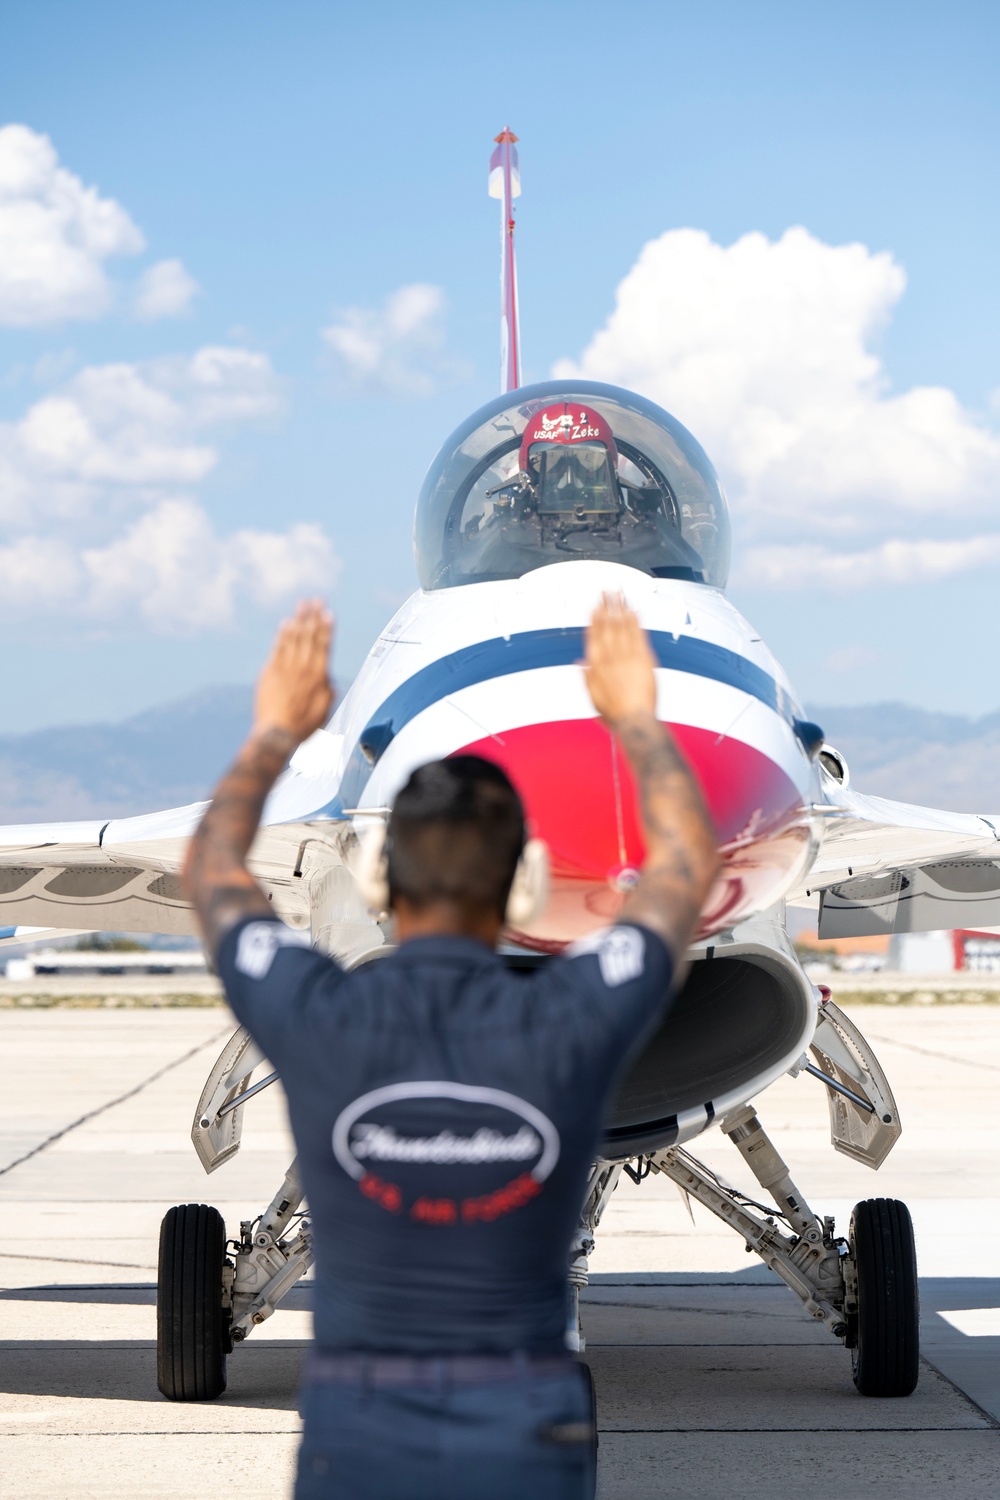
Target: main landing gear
{"x":208,"y":1301}
{"x":193,"y":1308}
{"x":883,"y":1312}
{"x":863,"y":1289}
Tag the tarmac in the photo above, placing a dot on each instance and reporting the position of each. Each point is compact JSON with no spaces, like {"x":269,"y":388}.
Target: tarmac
{"x":711,"y":1381}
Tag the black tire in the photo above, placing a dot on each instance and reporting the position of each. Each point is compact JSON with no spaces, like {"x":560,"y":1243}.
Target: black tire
{"x":192,"y":1327}
{"x":884,"y":1333}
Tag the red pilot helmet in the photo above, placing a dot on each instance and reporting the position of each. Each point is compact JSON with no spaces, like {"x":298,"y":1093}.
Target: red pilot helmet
{"x":567,"y":422}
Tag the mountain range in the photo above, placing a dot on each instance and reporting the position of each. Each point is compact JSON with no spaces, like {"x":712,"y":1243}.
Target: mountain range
{"x":164,"y":757}
{"x":171,"y":755}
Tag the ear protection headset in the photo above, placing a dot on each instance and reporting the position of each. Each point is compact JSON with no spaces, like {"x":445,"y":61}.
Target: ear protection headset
{"x":529,"y":889}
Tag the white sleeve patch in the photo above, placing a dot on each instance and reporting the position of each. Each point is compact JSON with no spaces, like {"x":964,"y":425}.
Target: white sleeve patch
{"x":621,"y":953}
{"x":259,"y":942}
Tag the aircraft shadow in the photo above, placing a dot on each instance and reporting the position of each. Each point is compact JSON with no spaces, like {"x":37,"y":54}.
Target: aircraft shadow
{"x":265,"y":1376}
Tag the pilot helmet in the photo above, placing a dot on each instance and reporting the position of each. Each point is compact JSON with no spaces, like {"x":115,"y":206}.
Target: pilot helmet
{"x":568,"y":454}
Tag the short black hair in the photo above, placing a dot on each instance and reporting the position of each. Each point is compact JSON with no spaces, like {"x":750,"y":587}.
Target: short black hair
{"x":455,"y":834}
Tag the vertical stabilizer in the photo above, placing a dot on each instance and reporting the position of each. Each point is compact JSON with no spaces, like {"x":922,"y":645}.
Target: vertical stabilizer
{"x":505,"y":184}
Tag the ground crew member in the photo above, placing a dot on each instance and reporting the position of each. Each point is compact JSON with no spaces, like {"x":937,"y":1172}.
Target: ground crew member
{"x":446,"y":1109}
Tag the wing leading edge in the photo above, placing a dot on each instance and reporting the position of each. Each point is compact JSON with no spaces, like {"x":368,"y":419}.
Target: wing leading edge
{"x":889,"y":867}
{"x":123,"y":875}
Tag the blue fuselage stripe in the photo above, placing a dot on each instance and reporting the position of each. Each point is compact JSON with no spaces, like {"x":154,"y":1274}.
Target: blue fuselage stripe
{"x":524,"y":653}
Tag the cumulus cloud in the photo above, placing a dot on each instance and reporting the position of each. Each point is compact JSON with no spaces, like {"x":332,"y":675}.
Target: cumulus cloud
{"x":808,"y":565}
{"x":398,"y":348}
{"x":118,"y":433}
{"x":94,"y":526}
{"x":171,"y":568}
{"x":165,"y":290}
{"x":97,"y":518}
{"x":764,"y":349}
{"x":55,"y":235}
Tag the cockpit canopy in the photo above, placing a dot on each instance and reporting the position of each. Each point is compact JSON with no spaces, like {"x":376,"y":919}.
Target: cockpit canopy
{"x":563,"y":471}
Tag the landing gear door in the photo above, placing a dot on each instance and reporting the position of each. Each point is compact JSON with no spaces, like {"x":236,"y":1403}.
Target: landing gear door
{"x":841,"y":1051}
{"x":217,"y":1137}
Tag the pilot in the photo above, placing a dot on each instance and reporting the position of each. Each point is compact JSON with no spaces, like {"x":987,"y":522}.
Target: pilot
{"x":568,"y":455}
{"x":446,"y":1108}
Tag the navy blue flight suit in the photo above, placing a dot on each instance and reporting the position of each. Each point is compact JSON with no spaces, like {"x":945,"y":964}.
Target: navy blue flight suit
{"x":447,"y":1111}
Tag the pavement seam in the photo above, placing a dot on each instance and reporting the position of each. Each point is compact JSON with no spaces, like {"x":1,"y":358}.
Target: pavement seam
{"x":765,"y":1431}
{"x":74,"y":1260}
{"x":224,"y":1432}
{"x":83,"y":1286}
{"x":102,"y":1108}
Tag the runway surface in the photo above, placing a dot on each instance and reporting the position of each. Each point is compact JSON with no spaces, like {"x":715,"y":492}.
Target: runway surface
{"x":710,"y":1380}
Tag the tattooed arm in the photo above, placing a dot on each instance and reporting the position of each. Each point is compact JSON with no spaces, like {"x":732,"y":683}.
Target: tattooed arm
{"x":681,"y":854}
{"x":293,"y":698}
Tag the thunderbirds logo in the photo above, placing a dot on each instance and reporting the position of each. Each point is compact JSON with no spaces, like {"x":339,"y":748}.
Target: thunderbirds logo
{"x":454,"y":1173}
{"x":381,"y":1143}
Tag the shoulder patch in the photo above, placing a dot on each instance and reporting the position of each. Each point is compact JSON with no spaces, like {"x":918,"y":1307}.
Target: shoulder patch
{"x":620,"y":951}
{"x":259,"y":942}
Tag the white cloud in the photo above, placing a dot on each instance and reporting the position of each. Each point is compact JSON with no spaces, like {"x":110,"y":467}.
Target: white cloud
{"x":165,"y":290}
{"x":808,"y":565}
{"x":118,"y":433}
{"x":94,"y":527}
{"x":170,"y":568}
{"x":55,"y":235}
{"x":764,"y":350}
{"x":399,"y":348}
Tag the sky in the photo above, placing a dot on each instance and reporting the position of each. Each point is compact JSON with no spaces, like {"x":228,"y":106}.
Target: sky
{"x":248,"y":285}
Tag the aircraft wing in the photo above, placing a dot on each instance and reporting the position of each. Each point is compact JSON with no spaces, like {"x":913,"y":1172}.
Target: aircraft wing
{"x":886,"y":867}
{"x":123,"y":875}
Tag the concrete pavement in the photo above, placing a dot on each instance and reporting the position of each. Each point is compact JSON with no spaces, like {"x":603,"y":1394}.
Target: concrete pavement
{"x":710,"y":1380}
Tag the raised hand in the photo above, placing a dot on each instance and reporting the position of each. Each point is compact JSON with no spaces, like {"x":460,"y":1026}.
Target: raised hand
{"x":294,"y":691}
{"x":681,"y":856}
{"x":619,"y":662}
{"x":294,"y":696}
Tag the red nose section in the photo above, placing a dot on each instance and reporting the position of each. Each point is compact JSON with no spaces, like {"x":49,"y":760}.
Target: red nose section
{"x":580,"y":797}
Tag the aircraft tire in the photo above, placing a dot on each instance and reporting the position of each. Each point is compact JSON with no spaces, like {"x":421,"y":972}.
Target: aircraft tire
{"x":885,"y":1332}
{"x":192,"y":1327}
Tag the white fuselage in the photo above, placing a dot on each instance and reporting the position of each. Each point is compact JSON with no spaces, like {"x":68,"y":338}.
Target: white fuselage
{"x":492,"y":668}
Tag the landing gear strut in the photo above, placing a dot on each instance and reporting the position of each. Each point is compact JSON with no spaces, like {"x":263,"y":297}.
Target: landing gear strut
{"x":862,"y":1289}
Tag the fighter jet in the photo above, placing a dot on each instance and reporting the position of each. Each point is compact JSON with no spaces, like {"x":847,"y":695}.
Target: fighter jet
{"x":543,"y":499}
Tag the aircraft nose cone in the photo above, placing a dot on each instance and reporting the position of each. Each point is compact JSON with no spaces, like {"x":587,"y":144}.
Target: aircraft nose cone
{"x":580,"y":797}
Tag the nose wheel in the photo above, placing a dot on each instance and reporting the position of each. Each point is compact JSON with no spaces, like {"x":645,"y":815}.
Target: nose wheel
{"x":884,"y":1325}
{"x":192,"y":1320}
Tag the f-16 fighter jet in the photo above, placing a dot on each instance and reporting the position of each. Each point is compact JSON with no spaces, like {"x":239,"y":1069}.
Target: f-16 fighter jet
{"x":543,"y":500}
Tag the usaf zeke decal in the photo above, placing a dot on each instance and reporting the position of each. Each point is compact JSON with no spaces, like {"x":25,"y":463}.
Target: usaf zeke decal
{"x":556,"y":428}
{"x":519,"y":1135}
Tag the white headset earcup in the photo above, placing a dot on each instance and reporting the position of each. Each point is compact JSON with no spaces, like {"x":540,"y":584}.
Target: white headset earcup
{"x":371,"y":870}
{"x":530,"y":889}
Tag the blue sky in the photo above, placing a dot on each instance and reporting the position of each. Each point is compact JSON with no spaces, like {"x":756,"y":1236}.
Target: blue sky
{"x":304,"y":162}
